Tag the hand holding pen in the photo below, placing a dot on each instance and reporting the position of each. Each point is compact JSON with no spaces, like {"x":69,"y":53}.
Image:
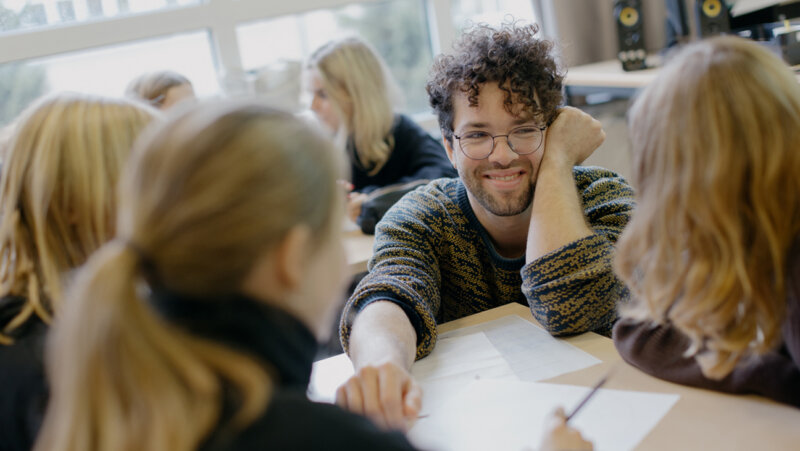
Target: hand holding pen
{"x":558,"y":435}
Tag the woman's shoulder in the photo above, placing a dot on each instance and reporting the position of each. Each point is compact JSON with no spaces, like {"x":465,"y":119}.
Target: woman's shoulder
{"x":292,"y":421}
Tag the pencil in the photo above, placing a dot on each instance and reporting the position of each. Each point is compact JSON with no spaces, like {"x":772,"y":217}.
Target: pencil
{"x":586,"y":399}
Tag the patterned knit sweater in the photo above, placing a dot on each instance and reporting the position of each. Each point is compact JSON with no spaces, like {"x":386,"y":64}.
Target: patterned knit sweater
{"x":434,"y":259}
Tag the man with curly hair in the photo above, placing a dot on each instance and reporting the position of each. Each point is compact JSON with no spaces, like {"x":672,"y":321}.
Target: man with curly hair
{"x":522,"y":222}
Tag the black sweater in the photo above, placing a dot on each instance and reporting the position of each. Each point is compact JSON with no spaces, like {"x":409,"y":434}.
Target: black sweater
{"x":415,"y":156}
{"x":23,"y":392}
{"x":290,"y":421}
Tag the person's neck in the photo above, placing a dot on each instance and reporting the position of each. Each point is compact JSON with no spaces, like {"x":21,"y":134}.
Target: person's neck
{"x":509,"y":234}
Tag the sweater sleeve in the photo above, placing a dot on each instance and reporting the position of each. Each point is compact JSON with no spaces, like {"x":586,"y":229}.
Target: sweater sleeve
{"x":404,"y":269}
{"x":574,"y":289}
{"x":659,"y":350}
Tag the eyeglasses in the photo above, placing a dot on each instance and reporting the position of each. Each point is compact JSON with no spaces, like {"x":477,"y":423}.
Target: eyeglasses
{"x":479,"y":145}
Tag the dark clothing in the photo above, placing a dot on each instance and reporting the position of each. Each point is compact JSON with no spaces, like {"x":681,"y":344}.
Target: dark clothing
{"x":415,"y":156}
{"x":659,"y":350}
{"x":290,"y":421}
{"x":23,"y":392}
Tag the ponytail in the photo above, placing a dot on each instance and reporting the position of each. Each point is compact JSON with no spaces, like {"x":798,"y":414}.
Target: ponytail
{"x":125,"y":377}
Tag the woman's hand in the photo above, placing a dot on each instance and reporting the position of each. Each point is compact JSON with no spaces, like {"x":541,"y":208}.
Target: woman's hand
{"x":558,"y":436}
{"x":354,"y":202}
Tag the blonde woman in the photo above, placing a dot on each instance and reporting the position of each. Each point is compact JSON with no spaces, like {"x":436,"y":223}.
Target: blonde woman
{"x":57,"y":206}
{"x":162,"y":89}
{"x":712,"y":252}
{"x":352,"y":96}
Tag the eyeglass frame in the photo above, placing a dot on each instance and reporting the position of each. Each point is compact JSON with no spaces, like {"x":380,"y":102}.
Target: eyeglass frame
{"x":494,"y":143}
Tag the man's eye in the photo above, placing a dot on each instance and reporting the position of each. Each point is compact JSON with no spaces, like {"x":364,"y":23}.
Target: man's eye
{"x":526,"y":131}
{"x":476,"y":135}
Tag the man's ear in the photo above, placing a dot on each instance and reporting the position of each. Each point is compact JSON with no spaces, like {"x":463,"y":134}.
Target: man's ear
{"x":449,"y":149}
{"x":291,"y":256}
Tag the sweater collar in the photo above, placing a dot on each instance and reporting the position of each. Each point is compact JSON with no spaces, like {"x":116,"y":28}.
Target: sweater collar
{"x":462,"y":199}
{"x":248,"y":325}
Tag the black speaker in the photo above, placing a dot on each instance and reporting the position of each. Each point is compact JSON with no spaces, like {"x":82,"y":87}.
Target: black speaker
{"x":712,"y":18}
{"x":629,"y":19}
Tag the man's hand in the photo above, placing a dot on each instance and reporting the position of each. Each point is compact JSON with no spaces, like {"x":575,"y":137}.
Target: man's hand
{"x":386,"y":394}
{"x":572,"y":137}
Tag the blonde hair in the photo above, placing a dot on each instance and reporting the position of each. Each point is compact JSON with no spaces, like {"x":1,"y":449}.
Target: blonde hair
{"x":152,"y":87}
{"x":715,"y":138}
{"x":357,"y":81}
{"x":204,"y":196}
{"x":58,"y":193}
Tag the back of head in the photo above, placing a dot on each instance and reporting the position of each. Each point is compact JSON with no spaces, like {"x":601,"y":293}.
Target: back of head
{"x":716,"y":163}
{"x":152,"y":87}
{"x":203,"y":198}
{"x":58,"y":192}
{"x":358,"y":81}
{"x":511,"y":56}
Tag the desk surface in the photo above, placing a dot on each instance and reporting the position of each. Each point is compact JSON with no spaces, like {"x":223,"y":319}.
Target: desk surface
{"x":701,"y":419}
{"x":609,"y":74}
{"x":358,"y":248}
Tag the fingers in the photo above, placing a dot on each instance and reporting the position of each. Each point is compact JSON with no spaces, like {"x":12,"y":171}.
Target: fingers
{"x":560,"y":436}
{"x":573,"y":136}
{"x":354,"y":203}
{"x":386,"y":394}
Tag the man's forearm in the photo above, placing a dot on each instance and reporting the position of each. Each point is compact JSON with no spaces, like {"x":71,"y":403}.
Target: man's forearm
{"x":382,"y":333}
{"x":557,"y":216}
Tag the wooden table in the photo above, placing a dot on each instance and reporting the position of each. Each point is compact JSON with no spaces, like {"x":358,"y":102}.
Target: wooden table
{"x":701,"y":419}
{"x":608,"y":76}
{"x":358,"y":248}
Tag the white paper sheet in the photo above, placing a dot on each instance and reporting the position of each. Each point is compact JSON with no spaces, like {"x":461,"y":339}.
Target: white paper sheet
{"x":454,"y":363}
{"x":531,"y":352}
{"x":506,"y":348}
{"x":326,"y":377}
{"x":509,"y":415}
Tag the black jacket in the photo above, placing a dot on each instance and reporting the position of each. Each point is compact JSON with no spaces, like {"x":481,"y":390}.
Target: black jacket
{"x":290,"y":421}
{"x":415,"y":156}
{"x":23,"y":389}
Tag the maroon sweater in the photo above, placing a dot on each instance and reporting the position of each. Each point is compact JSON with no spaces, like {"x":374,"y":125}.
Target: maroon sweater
{"x":658,"y":351}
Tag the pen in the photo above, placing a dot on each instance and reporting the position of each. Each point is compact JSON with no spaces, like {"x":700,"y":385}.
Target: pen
{"x":586,"y":399}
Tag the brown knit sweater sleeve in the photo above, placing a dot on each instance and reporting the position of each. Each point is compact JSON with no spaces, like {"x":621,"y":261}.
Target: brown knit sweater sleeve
{"x":659,"y":351}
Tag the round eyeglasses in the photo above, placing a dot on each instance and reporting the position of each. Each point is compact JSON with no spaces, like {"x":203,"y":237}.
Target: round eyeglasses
{"x":478,"y":145}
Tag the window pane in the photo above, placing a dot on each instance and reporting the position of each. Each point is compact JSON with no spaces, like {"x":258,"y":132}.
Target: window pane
{"x":107,"y":70}
{"x":397,"y":29}
{"x":493,"y":12}
{"x":23,"y":14}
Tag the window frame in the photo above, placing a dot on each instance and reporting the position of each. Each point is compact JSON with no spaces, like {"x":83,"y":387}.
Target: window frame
{"x":219,"y":17}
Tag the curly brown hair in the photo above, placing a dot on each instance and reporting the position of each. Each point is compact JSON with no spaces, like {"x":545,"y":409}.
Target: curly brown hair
{"x":511,"y":56}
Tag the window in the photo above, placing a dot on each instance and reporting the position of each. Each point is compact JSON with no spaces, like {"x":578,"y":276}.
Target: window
{"x":99,"y":45}
{"x":107,"y":71}
{"x":397,"y":29}
{"x":24,"y":14}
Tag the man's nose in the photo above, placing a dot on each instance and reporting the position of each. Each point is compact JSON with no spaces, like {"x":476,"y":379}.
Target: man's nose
{"x":502,"y":153}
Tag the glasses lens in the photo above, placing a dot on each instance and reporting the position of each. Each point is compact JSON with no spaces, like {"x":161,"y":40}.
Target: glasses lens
{"x":476,"y":145}
{"x":525,"y":140}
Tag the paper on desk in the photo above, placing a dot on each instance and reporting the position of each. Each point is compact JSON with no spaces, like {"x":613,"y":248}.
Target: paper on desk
{"x":454,"y":363}
{"x":509,"y":347}
{"x":509,"y":415}
{"x":326,"y":377}
{"x":531,"y":352}
{"x":458,"y":360}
